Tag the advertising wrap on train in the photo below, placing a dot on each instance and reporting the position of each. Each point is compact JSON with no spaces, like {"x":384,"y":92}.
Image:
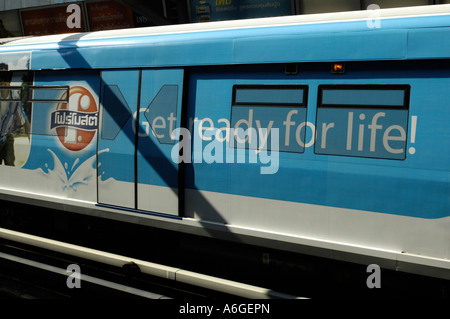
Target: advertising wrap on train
{"x":62,"y":149}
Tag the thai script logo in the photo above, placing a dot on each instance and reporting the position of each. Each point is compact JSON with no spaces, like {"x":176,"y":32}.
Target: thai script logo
{"x":76,"y":121}
{"x":86,"y":121}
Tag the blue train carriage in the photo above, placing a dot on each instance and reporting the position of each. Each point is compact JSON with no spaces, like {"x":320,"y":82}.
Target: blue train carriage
{"x":320,"y":134}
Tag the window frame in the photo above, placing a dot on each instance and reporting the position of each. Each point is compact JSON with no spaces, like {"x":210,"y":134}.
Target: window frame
{"x":11,"y":88}
{"x":359,"y":87}
{"x":302,"y":87}
{"x":31,"y":90}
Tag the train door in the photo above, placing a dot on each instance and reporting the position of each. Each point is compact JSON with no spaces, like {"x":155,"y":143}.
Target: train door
{"x":137,"y":167}
{"x":157,"y":164}
{"x":117,"y":138}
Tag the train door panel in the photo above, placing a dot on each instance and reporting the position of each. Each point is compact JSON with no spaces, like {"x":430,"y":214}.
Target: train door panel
{"x":159,"y":116}
{"x":116,"y":141}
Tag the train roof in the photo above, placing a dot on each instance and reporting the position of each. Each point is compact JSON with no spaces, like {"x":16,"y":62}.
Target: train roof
{"x":387,"y":34}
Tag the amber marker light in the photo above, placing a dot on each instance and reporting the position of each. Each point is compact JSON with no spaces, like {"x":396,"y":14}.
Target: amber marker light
{"x":338,"y":68}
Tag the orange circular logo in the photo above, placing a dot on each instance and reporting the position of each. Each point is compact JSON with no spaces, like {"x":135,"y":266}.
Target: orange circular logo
{"x":77,"y":119}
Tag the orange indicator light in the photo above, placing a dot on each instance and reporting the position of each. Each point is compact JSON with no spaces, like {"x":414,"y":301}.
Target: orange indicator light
{"x":338,"y":68}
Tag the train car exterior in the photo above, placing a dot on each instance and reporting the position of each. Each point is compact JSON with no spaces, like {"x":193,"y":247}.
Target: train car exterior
{"x":321,"y":134}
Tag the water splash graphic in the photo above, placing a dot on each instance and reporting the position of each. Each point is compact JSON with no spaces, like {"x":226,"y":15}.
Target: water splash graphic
{"x":72,"y":179}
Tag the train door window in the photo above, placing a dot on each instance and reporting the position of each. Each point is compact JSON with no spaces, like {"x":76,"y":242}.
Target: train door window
{"x":362,"y":120}
{"x":163,"y":106}
{"x":116,"y":115}
{"x":259,"y":109}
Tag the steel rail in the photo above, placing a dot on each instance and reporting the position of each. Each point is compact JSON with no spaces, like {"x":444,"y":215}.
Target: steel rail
{"x":149,"y":268}
{"x":83,"y":277}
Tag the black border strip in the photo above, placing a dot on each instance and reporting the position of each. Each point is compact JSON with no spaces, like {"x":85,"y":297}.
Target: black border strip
{"x":136,"y":139}
{"x":183,"y":124}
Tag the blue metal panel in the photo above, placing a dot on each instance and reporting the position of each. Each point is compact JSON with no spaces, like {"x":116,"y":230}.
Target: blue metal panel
{"x":176,"y":50}
{"x":341,"y":46}
{"x":429,"y":43}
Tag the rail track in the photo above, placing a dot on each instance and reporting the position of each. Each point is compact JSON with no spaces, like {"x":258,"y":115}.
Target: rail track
{"x":116,"y":260}
{"x":37,"y":267}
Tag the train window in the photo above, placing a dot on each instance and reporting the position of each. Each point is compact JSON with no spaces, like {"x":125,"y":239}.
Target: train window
{"x":270,"y":95}
{"x":43,"y":99}
{"x":260,"y":111}
{"x":48,"y":93}
{"x":362,"y":120}
{"x":116,"y":112}
{"x":364,"y":96}
{"x":10,"y":93}
{"x":163,"y":106}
